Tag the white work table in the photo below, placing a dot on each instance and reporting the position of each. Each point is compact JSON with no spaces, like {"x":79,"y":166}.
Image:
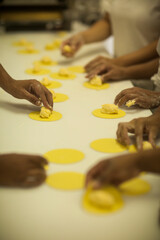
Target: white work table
{"x":44,"y":213}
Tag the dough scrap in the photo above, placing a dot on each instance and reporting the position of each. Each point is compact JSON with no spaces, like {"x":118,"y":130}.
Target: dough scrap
{"x":67,"y":48}
{"x":101,"y":198}
{"x":146,"y":145}
{"x":66,"y":180}
{"x":115,"y":202}
{"x":46,"y":82}
{"x":108,"y":145}
{"x":63,"y":72}
{"x":60,"y":77}
{"x":109,"y":109}
{"x":98,"y":113}
{"x":64,"y":156}
{"x":89,"y":85}
{"x":96,"y":81}
{"x":130,"y":103}
{"x":45,"y":112}
{"x":53,"y":117}
{"x":76,"y":69}
{"x":50,"y":84}
{"x":135,"y":186}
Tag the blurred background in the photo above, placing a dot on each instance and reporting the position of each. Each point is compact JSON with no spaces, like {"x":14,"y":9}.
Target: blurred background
{"x":48,"y":15}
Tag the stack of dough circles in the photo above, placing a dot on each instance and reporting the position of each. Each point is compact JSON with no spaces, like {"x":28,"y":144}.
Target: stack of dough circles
{"x":54,"y":84}
{"x":76,"y":69}
{"x":91,"y":86}
{"x":42,"y":71}
{"x":99,"y":114}
{"x":64,"y":156}
{"x":66,"y":180}
{"x":107,"y":145}
{"x":53,"y":117}
{"x":58,"y":76}
{"x":93,"y":208}
{"x":146,"y":146}
{"x":60,"y":97}
{"x":135,"y":186}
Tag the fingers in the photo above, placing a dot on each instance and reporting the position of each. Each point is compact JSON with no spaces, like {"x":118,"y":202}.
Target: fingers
{"x":38,"y":160}
{"x":31,"y":98}
{"x":97,"y":71}
{"x":89,"y":66}
{"x":35,"y":177}
{"x":123,"y":100}
{"x":139,"y":129}
{"x":106,"y":77}
{"x":152,"y":136}
{"x":49,"y":97}
{"x":122,"y":133}
{"x":123,"y":93}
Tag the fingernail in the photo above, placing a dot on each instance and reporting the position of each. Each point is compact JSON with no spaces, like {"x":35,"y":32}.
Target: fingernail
{"x":38,"y":103}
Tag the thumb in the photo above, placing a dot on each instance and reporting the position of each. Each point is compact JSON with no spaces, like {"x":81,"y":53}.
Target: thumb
{"x":106,"y":77}
{"x":32,"y":98}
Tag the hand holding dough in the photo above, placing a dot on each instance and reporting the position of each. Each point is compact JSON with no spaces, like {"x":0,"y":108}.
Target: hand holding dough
{"x":130,"y":103}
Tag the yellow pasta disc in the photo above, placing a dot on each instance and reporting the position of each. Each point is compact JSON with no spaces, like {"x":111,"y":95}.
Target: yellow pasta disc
{"x":41,"y":72}
{"x":66,"y":180}
{"x":135,"y":186}
{"x":27,"y":52}
{"x":103,"y":86}
{"x":107,"y":145}
{"x":64,"y":156}
{"x":52,"y":63}
{"x":97,"y":113}
{"x":60,"y":97}
{"x":54,"y":84}
{"x":53,"y":117}
{"x":76,"y":69}
{"x":58,"y":76}
{"x":90,"y":207}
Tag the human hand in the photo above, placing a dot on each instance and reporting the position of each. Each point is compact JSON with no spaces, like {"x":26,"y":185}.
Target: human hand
{"x":31,"y":90}
{"x":75,"y":42}
{"x":149,"y":126}
{"x":113,"y":171}
{"x":143,"y":98}
{"x":18,"y":170}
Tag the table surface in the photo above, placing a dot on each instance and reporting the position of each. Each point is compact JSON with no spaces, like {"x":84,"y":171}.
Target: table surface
{"x":45,"y":213}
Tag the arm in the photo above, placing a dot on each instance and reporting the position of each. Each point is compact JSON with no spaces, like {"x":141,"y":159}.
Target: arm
{"x":119,"y":169}
{"x":31,"y":90}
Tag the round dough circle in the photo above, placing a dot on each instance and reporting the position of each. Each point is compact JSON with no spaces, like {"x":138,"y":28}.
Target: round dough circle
{"x":103,"y":86}
{"x":60,"y":97}
{"x":66,"y":180}
{"x":54,"y":84}
{"x":146,"y":145}
{"x":135,"y":186}
{"x":22,"y":44}
{"x":90,"y":207}
{"x":57,"y":76}
{"x":107,"y":145}
{"x":76,"y":69}
{"x":52,"y":63}
{"x":54,"y":116}
{"x":64,"y":156}
{"x":41,"y":72}
{"x":97,"y":113}
{"x":26,"y":52}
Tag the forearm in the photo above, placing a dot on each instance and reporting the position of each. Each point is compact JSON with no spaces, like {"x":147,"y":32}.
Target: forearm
{"x":98,"y":32}
{"x":149,"y":161}
{"x":140,"y":56}
{"x":142,"y":71}
{"x":5,"y":79}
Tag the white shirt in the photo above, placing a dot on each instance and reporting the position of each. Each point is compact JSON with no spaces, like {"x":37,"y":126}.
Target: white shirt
{"x":135,"y":23}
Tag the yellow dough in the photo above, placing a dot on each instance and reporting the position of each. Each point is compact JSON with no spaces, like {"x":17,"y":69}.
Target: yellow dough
{"x":37,"y":70}
{"x":45,"y":112}
{"x":67,"y":48}
{"x":96,"y":81}
{"x":57,"y":43}
{"x":98,"y":113}
{"x":66,"y":180}
{"x":46,"y":61}
{"x":146,"y":145}
{"x":60,"y":77}
{"x":52,"y":46}
{"x":53,"y":117}
{"x":76,"y":69}
{"x":110,"y":194}
{"x":22,"y":43}
{"x":50,"y":84}
{"x":130,"y":103}
{"x":46,"y":167}
{"x":89,"y":85}
{"x":135,"y":186}
{"x":62,"y":33}
{"x":108,"y":145}
{"x":28,"y":50}
{"x":109,"y":109}
{"x":53,"y":94}
{"x":60,"y":97}
{"x":64,"y":156}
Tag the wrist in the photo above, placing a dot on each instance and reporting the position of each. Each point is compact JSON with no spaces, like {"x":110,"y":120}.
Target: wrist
{"x":121,"y":61}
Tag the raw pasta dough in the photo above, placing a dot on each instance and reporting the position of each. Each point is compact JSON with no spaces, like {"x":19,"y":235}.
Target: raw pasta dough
{"x":64,"y":156}
{"x":28,"y":50}
{"x":60,"y":97}
{"x":66,"y":180}
{"x":108,"y":145}
{"x":58,"y":76}
{"x":53,"y":117}
{"x":98,"y":113}
{"x":46,"y":61}
{"x":76,"y":69}
{"x":50,"y":84}
{"x":89,"y":85}
{"x":37,"y":70}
